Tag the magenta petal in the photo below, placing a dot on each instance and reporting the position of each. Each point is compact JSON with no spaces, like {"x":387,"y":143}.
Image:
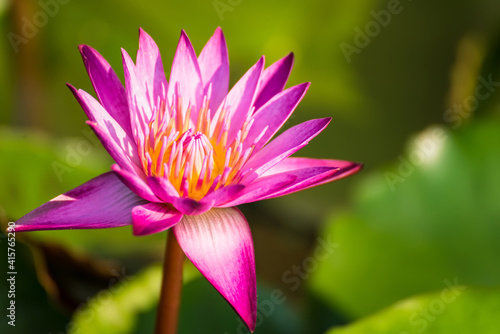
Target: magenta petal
{"x":214,"y":67}
{"x":273,"y":80}
{"x":291,"y":164}
{"x":149,"y":68}
{"x":162,"y":187}
{"x":102,"y":202}
{"x":107,"y":86}
{"x":224,"y":194}
{"x":96,"y":113}
{"x":135,"y":183}
{"x":219,"y":243}
{"x":190,"y":206}
{"x":309,"y":172}
{"x":140,"y":107}
{"x":116,"y":141}
{"x":241,"y":97}
{"x":118,"y":153}
{"x":283,"y":146}
{"x":274,"y":114}
{"x":185,"y":77}
{"x":261,"y":188}
{"x":153,"y":218}
{"x":305,"y":178}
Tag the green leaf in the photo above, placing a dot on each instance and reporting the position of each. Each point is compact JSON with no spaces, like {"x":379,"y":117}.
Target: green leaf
{"x":115,"y":310}
{"x":433,"y":215}
{"x":454,"y":309}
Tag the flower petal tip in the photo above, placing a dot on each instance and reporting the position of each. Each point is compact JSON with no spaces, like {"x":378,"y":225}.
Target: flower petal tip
{"x":288,"y":60}
{"x":86,"y":51}
{"x":357,"y":167}
{"x":261,"y":62}
{"x":71,"y":87}
{"x":184,"y":36}
{"x":327,"y":120}
{"x":219,"y":34}
{"x":144,"y":36}
{"x":110,"y":200}
{"x":80,"y":48}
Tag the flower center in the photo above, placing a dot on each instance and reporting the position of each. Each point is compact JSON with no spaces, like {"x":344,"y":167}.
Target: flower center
{"x":193,"y":153}
{"x":189,"y":164}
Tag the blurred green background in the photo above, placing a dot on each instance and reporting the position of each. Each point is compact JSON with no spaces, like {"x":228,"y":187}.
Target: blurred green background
{"x":409,"y":245}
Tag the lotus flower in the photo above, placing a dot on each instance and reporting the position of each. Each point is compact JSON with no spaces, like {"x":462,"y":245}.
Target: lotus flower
{"x":187,"y":152}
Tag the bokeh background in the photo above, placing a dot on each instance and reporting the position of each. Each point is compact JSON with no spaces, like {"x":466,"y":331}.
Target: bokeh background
{"x":409,"y":245}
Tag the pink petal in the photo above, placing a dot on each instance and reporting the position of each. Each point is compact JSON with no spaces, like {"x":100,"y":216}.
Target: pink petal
{"x":96,"y":113}
{"x":273,"y":80}
{"x":219,"y":243}
{"x":186,"y":75}
{"x":214,"y":67}
{"x":340,"y":169}
{"x":121,"y":154}
{"x":163,"y":188}
{"x":241,"y":97}
{"x":153,"y":218}
{"x":116,"y":141}
{"x":149,"y":69}
{"x":283,"y":146}
{"x":102,"y":202}
{"x":291,"y":164}
{"x":305,"y":178}
{"x":190,"y":206}
{"x":274,"y":114}
{"x":107,"y":86}
{"x":261,"y":188}
{"x":225,"y":194}
{"x":135,"y":183}
{"x":309,"y":172}
{"x":140,"y":107}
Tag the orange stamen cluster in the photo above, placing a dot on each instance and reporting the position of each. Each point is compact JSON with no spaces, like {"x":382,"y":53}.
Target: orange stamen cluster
{"x":194,"y":153}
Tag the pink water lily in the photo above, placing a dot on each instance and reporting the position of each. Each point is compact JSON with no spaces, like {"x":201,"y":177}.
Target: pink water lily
{"x":187,"y":152}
